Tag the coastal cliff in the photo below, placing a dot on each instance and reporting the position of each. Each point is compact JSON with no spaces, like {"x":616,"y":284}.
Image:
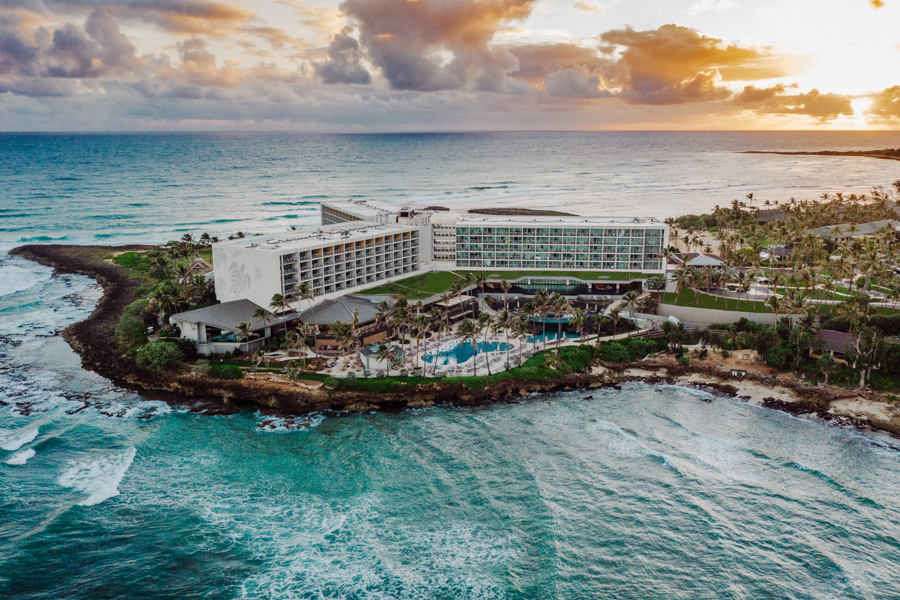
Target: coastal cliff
{"x":91,"y":339}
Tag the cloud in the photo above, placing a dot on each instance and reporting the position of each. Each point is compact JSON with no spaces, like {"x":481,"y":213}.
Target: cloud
{"x":344,"y":64}
{"x":430,"y":45}
{"x":572,"y":84}
{"x":97,"y":49}
{"x":886,"y":103}
{"x":675,"y":65}
{"x":588,"y":7}
{"x":702,"y":6}
{"x":187,"y":17}
{"x":815,"y":104}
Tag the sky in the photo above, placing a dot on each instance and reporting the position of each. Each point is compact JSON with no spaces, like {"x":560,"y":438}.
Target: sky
{"x":435,"y":65}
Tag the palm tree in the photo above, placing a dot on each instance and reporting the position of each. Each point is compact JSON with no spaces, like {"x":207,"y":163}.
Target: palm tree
{"x":630,"y":302}
{"x":280,"y":304}
{"x":420,"y":328}
{"x":304,"y":293}
{"x":294,"y":341}
{"x":541,"y":302}
{"x":775,"y":304}
{"x":165,"y":298}
{"x":505,"y":285}
{"x":183,"y":274}
{"x":615,"y":314}
{"x":244,"y":331}
{"x":263,"y":315}
{"x":386,"y":354}
{"x":441,"y":326}
{"x":505,"y":320}
{"x":520,"y":327}
{"x":478,"y":279}
{"x":384,"y":311}
{"x":578,"y":323}
{"x":483,"y":324}
{"x":342,"y":333}
{"x":561,"y":306}
{"x":466,"y":330}
{"x":682,"y":276}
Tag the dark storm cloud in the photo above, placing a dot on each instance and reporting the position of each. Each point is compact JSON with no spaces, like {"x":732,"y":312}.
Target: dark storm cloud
{"x":344,"y":64}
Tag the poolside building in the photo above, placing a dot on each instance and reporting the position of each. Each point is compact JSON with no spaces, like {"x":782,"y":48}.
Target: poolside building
{"x":215,"y":328}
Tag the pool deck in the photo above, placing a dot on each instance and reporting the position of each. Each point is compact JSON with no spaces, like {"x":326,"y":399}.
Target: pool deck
{"x":345,"y":365}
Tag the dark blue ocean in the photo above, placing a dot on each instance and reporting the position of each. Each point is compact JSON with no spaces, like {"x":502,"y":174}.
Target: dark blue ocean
{"x":648,"y":492}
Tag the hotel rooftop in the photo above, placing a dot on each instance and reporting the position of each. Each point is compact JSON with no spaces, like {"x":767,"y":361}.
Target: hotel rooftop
{"x":312,"y":236}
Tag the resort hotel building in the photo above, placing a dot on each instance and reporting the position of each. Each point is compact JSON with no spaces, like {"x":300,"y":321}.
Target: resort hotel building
{"x":361,"y":245}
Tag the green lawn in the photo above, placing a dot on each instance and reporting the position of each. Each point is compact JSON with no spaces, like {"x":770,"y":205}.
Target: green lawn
{"x":417,"y":287}
{"x":687,"y":297}
{"x":206,"y":255}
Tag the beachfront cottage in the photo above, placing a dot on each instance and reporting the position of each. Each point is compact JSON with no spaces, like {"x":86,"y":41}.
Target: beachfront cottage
{"x":216,"y":329}
{"x":840,"y":343}
{"x":848,"y":231}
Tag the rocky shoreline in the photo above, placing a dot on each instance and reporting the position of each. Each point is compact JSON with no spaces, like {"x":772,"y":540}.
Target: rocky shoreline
{"x":886,"y":154}
{"x":91,"y":340}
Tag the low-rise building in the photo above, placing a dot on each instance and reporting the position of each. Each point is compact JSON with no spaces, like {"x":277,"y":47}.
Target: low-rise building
{"x":215,"y":328}
{"x":847,"y":231}
{"x":698,"y":260}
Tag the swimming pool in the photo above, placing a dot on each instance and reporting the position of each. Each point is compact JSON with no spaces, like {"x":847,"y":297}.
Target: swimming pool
{"x":456,"y":352}
{"x":551,"y":337}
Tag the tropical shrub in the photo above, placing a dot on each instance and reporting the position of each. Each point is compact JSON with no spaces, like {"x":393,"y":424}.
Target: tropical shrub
{"x":225,"y":372}
{"x":159,"y":355}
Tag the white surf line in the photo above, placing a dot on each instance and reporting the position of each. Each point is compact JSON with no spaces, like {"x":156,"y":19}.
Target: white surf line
{"x":21,"y":457}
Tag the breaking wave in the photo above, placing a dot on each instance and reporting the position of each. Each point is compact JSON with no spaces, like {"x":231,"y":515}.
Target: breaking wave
{"x":13,"y":439}
{"x":20,"y":458}
{"x":98,"y":478}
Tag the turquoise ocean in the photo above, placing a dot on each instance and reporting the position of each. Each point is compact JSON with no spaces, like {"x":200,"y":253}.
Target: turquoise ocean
{"x":646,"y":492}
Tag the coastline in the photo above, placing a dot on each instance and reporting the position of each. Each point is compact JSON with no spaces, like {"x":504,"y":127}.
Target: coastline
{"x":90,"y":340}
{"x":887,"y":154}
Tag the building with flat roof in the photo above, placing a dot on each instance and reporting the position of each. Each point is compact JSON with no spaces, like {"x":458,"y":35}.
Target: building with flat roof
{"x":332,"y":260}
{"x":562,"y":243}
{"x":363,"y":244}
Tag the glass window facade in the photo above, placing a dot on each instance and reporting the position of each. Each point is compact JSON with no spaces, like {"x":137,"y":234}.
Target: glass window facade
{"x":559,"y":247}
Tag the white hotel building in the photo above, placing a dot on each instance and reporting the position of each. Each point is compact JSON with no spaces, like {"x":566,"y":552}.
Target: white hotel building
{"x":364,"y":244}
